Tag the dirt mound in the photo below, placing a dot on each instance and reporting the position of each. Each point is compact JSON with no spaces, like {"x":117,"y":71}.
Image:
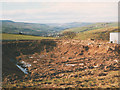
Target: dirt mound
{"x":53,"y":60}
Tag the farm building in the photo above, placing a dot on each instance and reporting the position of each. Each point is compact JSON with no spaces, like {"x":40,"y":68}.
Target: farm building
{"x":115,"y":37}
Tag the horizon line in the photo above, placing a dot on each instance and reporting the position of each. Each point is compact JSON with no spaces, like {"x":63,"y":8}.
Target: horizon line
{"x":57,"y":22}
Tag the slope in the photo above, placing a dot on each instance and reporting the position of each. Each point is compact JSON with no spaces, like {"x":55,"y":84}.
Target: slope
{"x":102,"y":33}
{"x":9,"y":26}
{"x":93,"y":27}
{"x":27,"y":28}
{"x":22,"y":37}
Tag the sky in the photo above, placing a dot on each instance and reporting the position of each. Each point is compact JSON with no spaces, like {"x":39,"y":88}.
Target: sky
{"x":60,"y":12}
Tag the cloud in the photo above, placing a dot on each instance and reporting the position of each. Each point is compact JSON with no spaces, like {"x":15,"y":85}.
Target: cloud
{"x":63,"y":12}
{"x":60,"y":1}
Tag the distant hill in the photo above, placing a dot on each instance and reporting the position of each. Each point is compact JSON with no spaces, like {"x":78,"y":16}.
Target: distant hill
{"x":69,"y":25}
{"x":9,"y":26}
{"x":95,"y":31}
{"x":51,"y":29}
{"x":93,"y":27}
{"x":27,"y":28}
{"x":102,"y":33}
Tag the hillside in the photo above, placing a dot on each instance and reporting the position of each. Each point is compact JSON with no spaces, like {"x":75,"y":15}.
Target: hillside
{"x":9,"y":26}
{"x":69,"y":25}
{"x":102,"y":33}
{"x":95,"y":31}
{"x":26,"y":28}
{"x":92,"y":27}
{"x":22,"y":37}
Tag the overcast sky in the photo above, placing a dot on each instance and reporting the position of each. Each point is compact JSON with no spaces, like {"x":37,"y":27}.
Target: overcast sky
{"x":60,"y":12}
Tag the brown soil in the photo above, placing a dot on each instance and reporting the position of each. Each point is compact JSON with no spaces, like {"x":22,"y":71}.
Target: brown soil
{"x":61,"y":63}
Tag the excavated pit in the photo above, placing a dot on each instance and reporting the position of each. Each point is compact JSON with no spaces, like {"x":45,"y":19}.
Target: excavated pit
{"x":56,"y":59}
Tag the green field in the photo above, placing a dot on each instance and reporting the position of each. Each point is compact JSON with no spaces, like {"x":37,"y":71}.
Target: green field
{"x":92,"y":27}
{"x":94,"y":31}
{"x":102,"y":33}
{"x":22,"y":37}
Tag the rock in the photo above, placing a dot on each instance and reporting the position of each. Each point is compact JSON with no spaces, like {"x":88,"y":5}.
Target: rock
{"x":34,"y":61}
{"x":81,"y":63}
{"x":116,"y":60}
{"x":31,"y":57}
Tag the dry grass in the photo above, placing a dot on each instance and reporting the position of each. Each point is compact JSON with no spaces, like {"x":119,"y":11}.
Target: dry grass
{"x":22,"y":37}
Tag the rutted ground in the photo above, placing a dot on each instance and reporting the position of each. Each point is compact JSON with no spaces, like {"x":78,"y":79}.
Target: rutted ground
{"x":69,"y":63}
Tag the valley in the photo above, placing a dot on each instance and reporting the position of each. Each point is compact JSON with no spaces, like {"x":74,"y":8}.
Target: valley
{"x":59,"y":45}
{"x":72,"y":55}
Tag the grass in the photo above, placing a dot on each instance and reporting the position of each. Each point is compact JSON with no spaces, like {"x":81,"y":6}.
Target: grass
{"x":95,"y":31}
{"x":92,"y":27}
{"x":22,"y":37}
{"x":102,"y":33}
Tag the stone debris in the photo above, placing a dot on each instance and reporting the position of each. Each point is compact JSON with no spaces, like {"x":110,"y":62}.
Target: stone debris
{"x":34,"y":61}
{"x":75,"y":55}
{"x":71,"y":59}
{"x":116,"y":61}
{"x":30,"y":57}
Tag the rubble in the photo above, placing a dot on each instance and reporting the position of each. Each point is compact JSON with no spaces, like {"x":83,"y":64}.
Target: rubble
{"x":71,"y":61}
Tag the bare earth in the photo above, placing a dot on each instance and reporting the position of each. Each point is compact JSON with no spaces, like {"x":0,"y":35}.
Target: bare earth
{"x":61,"y":64}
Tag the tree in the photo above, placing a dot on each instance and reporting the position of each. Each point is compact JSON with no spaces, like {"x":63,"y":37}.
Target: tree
{"x":69,"y":34}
